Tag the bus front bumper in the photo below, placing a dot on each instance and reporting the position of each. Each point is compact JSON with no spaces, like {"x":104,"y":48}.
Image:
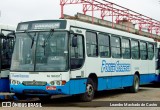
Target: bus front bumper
{"x":39,"y":90}
{"x":70,"y":88}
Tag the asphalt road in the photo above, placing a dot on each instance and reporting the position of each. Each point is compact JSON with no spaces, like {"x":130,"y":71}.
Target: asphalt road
{"x":111,"y":99}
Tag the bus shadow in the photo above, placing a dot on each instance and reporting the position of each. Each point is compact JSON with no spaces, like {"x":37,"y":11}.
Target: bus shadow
{"x":153,"y":85}
{"x":114,"y":93}
{"x":73,"y":101}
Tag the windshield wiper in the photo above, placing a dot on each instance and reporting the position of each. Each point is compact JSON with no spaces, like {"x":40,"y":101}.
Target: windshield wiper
{"x":32,"y":38}
{"x":48,"y":36}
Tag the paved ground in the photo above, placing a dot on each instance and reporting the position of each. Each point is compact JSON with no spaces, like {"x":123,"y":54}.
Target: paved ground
{"x":102,"y":99}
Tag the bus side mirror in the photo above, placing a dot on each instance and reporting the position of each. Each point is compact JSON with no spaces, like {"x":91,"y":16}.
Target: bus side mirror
{"x":74,"y":41}
{"x":1,"y":35}
{"x":11,"y":35}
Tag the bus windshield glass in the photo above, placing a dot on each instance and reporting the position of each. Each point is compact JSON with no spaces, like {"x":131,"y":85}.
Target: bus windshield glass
{"x":40,"y":51}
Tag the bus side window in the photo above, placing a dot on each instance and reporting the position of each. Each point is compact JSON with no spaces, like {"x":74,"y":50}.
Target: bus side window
{"x":126,"y":48}
{"x":143,"y":50}
{"x":92,"y":47}
{"x":104,"y":48}
{"x":77,"y":53}
{"x":150,"y":51}
{"x":135,"y":49}
{"x":115,"y":47}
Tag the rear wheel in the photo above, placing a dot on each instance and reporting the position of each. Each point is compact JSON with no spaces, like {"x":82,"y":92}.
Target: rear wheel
{"x":135,"y":87}
{"x":90,"y":90}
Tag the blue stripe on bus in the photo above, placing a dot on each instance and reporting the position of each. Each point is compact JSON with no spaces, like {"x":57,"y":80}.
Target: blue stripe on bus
{"x":78,"y":86}
{"x":70,"y":88}
{"x":107,"y":83}
{"x":158,"y":78}
{"x":147,"y":78}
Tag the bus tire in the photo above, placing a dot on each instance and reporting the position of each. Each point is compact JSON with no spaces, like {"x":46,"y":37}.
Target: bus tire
{"x":135,"y":87}
{"x":90,"y":90}
{"x":21,"y":96}
{"x":45,"y":99}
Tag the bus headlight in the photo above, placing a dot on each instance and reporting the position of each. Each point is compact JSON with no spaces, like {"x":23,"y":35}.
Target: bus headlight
{"x":52,"y":82}
{"x":18,"y":82}
{"x":15,"y":82}
{"x":58,"y":82}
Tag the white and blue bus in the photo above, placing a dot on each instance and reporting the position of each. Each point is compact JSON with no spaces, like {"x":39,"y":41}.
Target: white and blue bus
{"x":72,"y":57}
{"x":6,"y":49}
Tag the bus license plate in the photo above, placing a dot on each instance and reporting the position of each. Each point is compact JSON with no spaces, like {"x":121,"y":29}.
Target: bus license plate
{"x":50,"y":87}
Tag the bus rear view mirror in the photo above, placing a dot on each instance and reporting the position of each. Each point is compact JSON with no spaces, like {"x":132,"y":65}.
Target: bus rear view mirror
{"x":74,"y":41}
{"x":11,"y":35}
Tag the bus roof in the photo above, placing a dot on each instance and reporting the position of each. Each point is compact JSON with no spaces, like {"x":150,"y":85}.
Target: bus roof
{"x":67,"y":23}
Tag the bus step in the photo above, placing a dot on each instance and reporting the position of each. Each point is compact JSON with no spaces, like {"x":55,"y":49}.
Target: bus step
{"x":6,"y":95}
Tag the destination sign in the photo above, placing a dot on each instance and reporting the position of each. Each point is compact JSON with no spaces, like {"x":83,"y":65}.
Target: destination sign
{"x":39,"y":26}
{"x":42,"y":25}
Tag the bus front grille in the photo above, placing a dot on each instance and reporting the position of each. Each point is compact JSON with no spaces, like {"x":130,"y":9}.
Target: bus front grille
{"x":32,"y":91}
{"x":34,"y":83}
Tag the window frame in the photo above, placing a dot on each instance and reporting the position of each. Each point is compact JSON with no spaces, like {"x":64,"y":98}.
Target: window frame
{"x":150,"y":51}
{"x":137,"y":51}
{"x":84,"y":54}
{"x":126,"y":48}
{"x":109,"y":47}
{"x":143,"y":50}
{"x":116,"y":36}
{"x":96,"y":45}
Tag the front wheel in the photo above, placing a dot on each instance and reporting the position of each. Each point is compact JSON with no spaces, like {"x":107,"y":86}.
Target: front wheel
{"x":135,"y":87}
{"x":89,"y":94}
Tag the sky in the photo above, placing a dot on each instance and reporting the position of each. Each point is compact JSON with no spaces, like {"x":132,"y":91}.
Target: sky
{"x":15,"y":11}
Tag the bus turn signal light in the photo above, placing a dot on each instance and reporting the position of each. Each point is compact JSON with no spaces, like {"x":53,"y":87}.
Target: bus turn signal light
{"x":63,"y":82}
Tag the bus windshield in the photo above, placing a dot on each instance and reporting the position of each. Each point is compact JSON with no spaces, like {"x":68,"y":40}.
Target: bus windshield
{"x":40,"y":51}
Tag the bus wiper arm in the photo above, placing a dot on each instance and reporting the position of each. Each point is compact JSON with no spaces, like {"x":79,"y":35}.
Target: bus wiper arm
{"x":45,"y":41}
{"x":32,"y":38}
{"x":48,"y":36}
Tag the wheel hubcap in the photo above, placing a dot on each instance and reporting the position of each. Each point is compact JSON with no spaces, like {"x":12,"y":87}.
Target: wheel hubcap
{"x":89,"y":89}
{"x":136,"y":83}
